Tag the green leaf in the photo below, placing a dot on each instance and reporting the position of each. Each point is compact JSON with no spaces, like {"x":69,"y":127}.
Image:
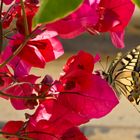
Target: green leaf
{"x":137,"y":2}
{"x":52,"y":10}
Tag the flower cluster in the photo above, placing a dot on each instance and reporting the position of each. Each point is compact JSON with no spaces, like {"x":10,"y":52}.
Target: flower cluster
{"x":97,"y":16}
{"x":74,"y":99}
{"x":80,"y":94}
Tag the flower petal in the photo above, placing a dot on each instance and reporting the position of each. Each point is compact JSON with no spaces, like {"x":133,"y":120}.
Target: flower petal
{"x":22,"y":89}
{"x":118,"y":39}
{"x":76,"y":23}
{"x":82,"y":60}
{"x":93,"y":97}
{"x":12,"y":126}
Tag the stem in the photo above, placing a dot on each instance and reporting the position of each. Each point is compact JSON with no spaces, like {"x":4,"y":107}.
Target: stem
{"x":1,"y":29}
{"x":26,"y":133}
{"x":78,"y":93}
{"x":8,"y":32}
{"x":19,"y":48}
{"x":26,"y":97}
{"x":14,"y":53}
{"x":17,"y":84}
{"x":40,"y":132}
{"x":22,"y":128}
{"x":15,"y":135}
{"x":25,"y":18}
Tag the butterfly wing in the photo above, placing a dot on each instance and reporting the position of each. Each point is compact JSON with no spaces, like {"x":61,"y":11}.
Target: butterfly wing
{"x":124,"y":73}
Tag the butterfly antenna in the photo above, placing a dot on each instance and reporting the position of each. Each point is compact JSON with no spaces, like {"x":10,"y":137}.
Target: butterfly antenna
{"x":136,"y":108}
{"x":101,"y":65}
{"x":107,"y":63}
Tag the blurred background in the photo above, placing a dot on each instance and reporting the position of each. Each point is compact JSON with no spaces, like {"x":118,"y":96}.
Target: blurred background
{"x":124,"y":121}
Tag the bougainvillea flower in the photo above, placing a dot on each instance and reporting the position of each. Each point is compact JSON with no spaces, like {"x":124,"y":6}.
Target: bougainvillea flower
{"x":23,"y":87}
{"x":93,"y":96}
{"x":78,"y":62}
{"x":83,"y":96}
{"x":20,"y":68}
{"x":114,"y":17}
{"x":116,"y":13}
{"x":76,"y":23}
{"x":37,"y":51}
{"x":78,"y":78}
{"x":71,"y":109}
{"x":95,"y":17}
{"x":51,"y":115}
{"x":12,"y":127}
{"x":92,"y":89}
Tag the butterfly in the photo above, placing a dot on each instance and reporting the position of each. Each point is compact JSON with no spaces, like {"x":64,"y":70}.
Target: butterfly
{"x":123,"y":75}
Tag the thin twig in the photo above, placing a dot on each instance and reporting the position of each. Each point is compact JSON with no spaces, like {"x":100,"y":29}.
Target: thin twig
{"x":15,"y":135}
{"x":26,"y":97}
{"x":1,"y":28}
{"x":24,"y":18}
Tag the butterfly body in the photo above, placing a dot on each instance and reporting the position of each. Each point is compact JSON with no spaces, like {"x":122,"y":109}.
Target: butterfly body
{"x":124,"y":75}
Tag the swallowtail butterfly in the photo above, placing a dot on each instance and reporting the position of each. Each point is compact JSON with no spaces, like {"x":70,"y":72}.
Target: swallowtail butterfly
{"x":124,"y":75}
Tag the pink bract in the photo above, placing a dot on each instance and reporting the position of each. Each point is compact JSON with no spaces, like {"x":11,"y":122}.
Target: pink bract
{"x":36,"y":52}
{"x":24,"y":87}
{"x":97,"y":16}
{"x":89,"y":88}
{"x":76,"y":23}
{"x":78,"y":62}
{"x":91,"y":96}
{"x":50,"y":116}
{"x":114,"y":17}
{"x":83,"y":96}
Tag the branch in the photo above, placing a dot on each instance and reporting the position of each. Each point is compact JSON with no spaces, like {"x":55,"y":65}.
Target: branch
{"x":15,"y":135}
{"x":26,"y":97}
{"x":25,"y":18}
{"x":1,"y":28}
{"x":15,"y":52}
